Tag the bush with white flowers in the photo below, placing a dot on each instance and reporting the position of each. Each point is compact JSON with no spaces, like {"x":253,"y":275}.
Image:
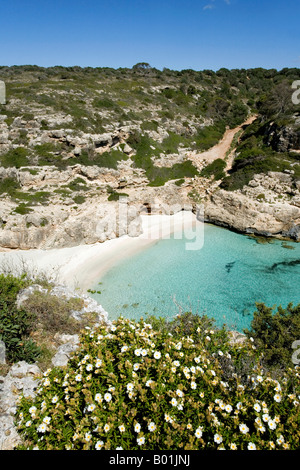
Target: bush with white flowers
{"x":134,"y":387}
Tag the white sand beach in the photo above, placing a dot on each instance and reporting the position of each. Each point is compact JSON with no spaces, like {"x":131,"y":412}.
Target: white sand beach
{"x":81,"y":266}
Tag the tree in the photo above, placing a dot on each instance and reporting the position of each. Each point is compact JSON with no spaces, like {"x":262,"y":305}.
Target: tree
{"x":142,"y":66}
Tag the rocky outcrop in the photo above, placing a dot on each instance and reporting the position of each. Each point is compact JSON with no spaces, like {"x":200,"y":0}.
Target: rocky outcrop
{"x":269,"y":205}
{"x":282,"y":138}
{"x":22,"y":378}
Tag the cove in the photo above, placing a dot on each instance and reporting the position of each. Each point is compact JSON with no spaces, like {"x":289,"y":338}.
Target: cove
{"x":223,"y":280}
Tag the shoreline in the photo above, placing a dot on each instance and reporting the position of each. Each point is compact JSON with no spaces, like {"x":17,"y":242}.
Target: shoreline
{"x":79,"y":267}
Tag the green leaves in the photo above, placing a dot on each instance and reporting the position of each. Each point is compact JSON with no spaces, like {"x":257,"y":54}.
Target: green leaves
{"x":15,"y":324}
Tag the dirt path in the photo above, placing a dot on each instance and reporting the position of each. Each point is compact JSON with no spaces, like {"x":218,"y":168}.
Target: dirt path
{"x":221,"y":149}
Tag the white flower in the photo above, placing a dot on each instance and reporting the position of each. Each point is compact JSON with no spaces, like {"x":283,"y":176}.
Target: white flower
{"x":149,"y":382}
{"x":257,"y":407}
{"x":107,"y":397}
{"x":151,"y":426}
{"x":243,"y":428}
{"x":106,"y":427}
{"x":136,"y":366}
{"x":174,"y":402}
{"x":259,"y":378}
{"x":277,"y":397}
{"x":280,"y":440}
{"x":272,"y":424}
{"x":157,"y":355}
{"x":119,"y":448}
{"x":277,"y":388}
{"x":137,"y":427}
{"x":55,"y":399}
{"x":98,"y":397}
{"x":98,"y":363}
{"x":220,"y":353}
{"x":198,"y":432}
{"x":91,"y":407}
{"x":140,"y":440}
{"x":144,"y":352}
{"x":178,"y":346}
{"x":78,"y":378}
{"x":168,"y":418}
{"x":124,"y":348}
{"x":266,"y":417}
{"x":193,"y":385}
{"x":32,"y":410}
{"x":47,"y":420}
{"x":176,"y":363}
{"x":138,"y":352}
{"x":42,"y":428}
{"x":28,"y":423}
{"x":233,"y":447}
{"x":228,"y":408}
{"x":99,"y":445}
{"x":218,"y":439}
{"x":122,"y":428}
{"x":179,"y":393}
{"x":251,"y":446}
{"x":129,"y":387}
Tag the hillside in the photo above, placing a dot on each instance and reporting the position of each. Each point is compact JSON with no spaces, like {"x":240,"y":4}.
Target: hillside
{"x":72,"y":139}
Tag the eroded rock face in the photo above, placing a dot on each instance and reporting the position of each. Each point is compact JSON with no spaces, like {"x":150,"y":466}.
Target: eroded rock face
{"x":260,"y":208}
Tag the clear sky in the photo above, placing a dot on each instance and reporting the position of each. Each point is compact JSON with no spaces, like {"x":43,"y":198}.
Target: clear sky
{"x":177,"y":34}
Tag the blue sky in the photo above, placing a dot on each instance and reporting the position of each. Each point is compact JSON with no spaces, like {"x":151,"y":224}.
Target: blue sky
{"x":177,"y":34}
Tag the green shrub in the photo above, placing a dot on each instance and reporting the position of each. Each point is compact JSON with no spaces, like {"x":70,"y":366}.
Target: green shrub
{"x":130,"y":386}
{"x":274,"y":333}
{"x":114,"y":195}
{"x":79,"y":199}
{"x":111,"y":159}
{"x":16,"y":157}
{"x":23,"y":209}
{"x":215,"y":169}
{"x":9,"y":186}
{"x":16,"y":324}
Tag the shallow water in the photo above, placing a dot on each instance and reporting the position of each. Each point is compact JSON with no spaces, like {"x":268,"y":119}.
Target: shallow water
{"x":224,"y":279}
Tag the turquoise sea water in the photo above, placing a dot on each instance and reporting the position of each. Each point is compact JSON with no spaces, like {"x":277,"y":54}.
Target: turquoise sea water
{"x":224,"y":279}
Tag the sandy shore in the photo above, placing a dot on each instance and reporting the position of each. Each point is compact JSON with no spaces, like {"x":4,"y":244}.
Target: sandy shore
{"x":81,"y":266}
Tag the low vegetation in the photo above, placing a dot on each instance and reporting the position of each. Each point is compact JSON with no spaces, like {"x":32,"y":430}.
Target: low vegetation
{"x":156,"y":384}
{"x":193,"y":107}
{"x":133,"y":386}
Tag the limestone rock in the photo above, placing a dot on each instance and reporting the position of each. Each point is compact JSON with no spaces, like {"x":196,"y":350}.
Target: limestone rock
{"x":70,"y":344}
{"x":23,"y":378}
{"x":237,"y":211}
